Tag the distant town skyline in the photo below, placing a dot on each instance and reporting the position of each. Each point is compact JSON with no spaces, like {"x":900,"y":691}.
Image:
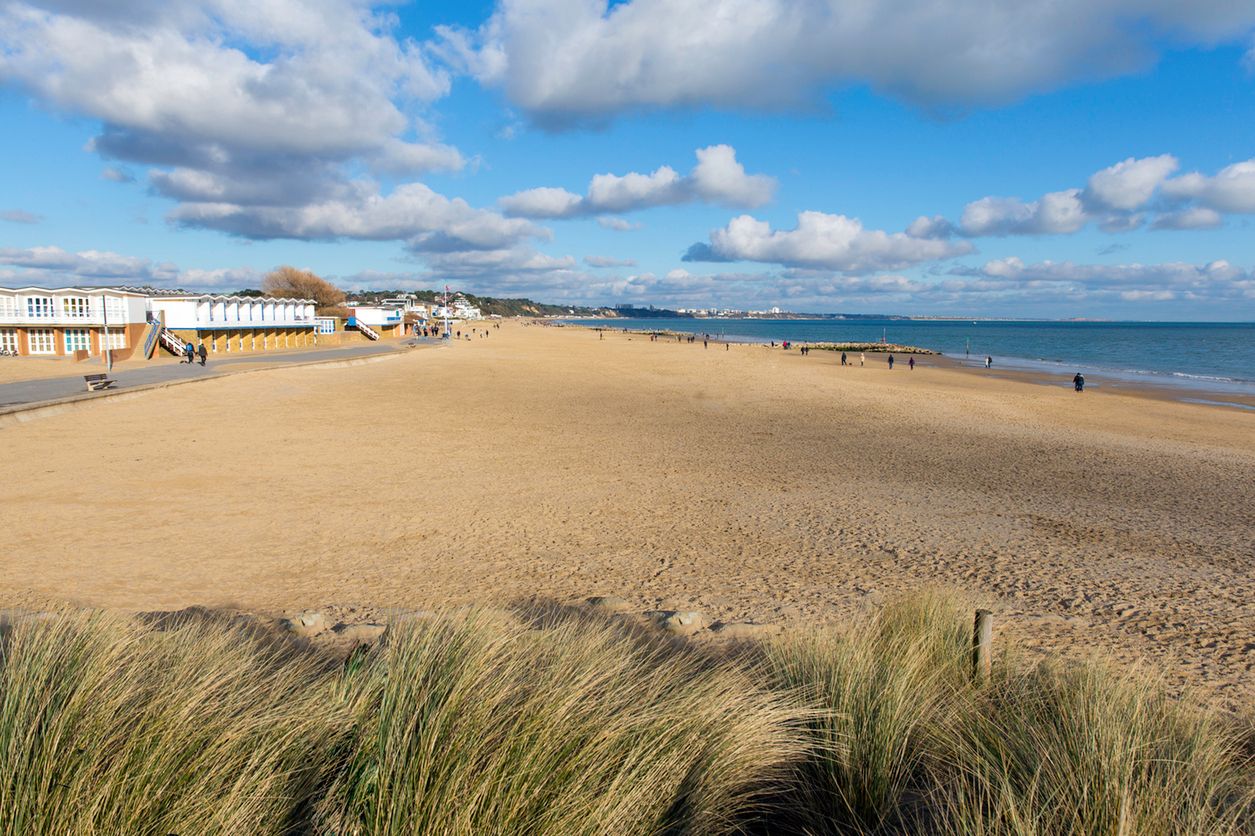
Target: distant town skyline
{"x":1084,"y":158}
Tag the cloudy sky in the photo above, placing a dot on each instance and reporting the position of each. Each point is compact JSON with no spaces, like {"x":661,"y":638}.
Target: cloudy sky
{"x":964,"y":157}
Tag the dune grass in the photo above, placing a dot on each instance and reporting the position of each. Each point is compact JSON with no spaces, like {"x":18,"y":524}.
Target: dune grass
{"x":108,"y":725}
{"x":1084,"y":748}
{"x":885,"y":692}
{"x":554,"y":721}
{"x":481,"y":724}
{"x":909,"y":742}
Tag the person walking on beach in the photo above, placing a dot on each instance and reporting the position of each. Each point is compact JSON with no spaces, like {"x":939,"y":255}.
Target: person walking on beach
{"x":705,"y":343}
{"x":890,"y":362}
{"x":201,"y":353}
{"x":1078,"y":382}
{"x":989,"y":362}
{"x":911,"y":363}
{"x":861,"y":358}
{"x":843,"y":358}
{"x":190,"y":351}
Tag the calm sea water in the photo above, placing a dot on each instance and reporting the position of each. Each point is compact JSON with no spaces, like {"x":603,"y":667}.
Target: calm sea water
{"x":1208,"y":356}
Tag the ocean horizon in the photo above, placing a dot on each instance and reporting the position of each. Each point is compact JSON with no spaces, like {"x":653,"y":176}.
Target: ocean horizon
{"x":1202,"y":356}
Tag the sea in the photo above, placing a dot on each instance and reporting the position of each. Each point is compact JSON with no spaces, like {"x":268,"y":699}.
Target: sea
{"x":1195,"y":358}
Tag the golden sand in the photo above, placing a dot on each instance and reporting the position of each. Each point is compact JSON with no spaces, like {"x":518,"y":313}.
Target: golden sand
{"x":752,"y":484}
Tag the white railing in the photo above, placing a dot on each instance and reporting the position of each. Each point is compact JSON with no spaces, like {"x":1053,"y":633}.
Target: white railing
{"x":59,"y":319}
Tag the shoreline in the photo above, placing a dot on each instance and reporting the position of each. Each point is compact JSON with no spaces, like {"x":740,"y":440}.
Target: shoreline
{"x":1189,"y":391}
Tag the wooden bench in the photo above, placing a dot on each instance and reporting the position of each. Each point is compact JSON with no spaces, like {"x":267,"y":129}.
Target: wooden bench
{"x":96,"y":382}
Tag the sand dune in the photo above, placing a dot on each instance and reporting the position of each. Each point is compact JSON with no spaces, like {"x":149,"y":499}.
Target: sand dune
{"x":752,"y":484}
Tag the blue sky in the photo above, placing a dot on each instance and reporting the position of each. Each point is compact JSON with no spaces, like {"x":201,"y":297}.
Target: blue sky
{"x":955,"y":157}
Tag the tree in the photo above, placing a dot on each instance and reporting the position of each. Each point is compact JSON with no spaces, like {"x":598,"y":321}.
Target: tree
{"x":290,"y":283}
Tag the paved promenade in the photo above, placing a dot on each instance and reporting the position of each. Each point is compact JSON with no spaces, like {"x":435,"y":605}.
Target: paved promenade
{"x":24,"y":392}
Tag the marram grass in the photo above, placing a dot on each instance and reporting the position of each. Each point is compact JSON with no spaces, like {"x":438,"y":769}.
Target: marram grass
{"x":111,"y":726}
{"x":908,"y":742}
{"x":479,"y":724}
{"x":486,"y":722}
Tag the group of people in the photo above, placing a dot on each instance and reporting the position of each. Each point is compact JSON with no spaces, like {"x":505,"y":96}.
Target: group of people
{"x":434,"y":331}
{"x":192,"y":352}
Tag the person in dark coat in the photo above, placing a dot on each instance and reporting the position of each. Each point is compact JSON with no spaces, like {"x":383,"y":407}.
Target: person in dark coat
{"x":200,"y":352}
{"x":1078,"y":382}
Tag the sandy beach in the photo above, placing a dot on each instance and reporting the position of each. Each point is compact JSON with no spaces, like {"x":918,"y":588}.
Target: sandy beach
{"x":750,"y":483}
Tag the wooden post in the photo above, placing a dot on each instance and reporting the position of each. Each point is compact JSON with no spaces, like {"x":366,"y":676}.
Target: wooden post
{"x":982,"y":645}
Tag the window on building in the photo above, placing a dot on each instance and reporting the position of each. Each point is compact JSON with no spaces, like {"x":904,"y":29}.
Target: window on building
{"x":8,"y":340}
{"x":116,"y":339}
{"x":39,"y":306}
{"x":326,"y":326}
{"x":8,"y":306}
{"x":76,"y":307}
{"x":115,"y":306}
{"x":41,"y":340}
{"x":76,"y":339}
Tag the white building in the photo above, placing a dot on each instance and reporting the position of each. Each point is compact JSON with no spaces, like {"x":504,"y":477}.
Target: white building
{"x":79,"y":321}
{"x":236,"y":323}
{"x":376,"y":321}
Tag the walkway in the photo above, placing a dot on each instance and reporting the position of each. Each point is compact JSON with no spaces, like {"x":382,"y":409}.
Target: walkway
{"x":54,"y":388}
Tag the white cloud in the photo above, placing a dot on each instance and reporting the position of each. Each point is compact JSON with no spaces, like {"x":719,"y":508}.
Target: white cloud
{"x":182,"y":69}
{"x":398,"y":157}
{"x":1217,"y":278}
{"x":717,"y":178}
{"x":1128,"y":185}
{"x":117,"y":174}
{"x":607,"y":261}
{"x":1118,"y":198}
{"x":617,"y":224}
{"x":834,"y":242}
{"x":543,"y":202}
{"x":1147,"y":295}
{"x":19,"y":216}
{"x":1196,"y":217}
{"x":1231,"y":190}
{"x":54,"y":265}
{"x":266,"y":110}
{"x":497,"y":263}
{"x":565,"y":61}
{"x":934,"y":227}
{"x":1054,"y":213}
{"x":414,"y":213}
{"x":614,"y":193}
{"x":720,"y":178}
